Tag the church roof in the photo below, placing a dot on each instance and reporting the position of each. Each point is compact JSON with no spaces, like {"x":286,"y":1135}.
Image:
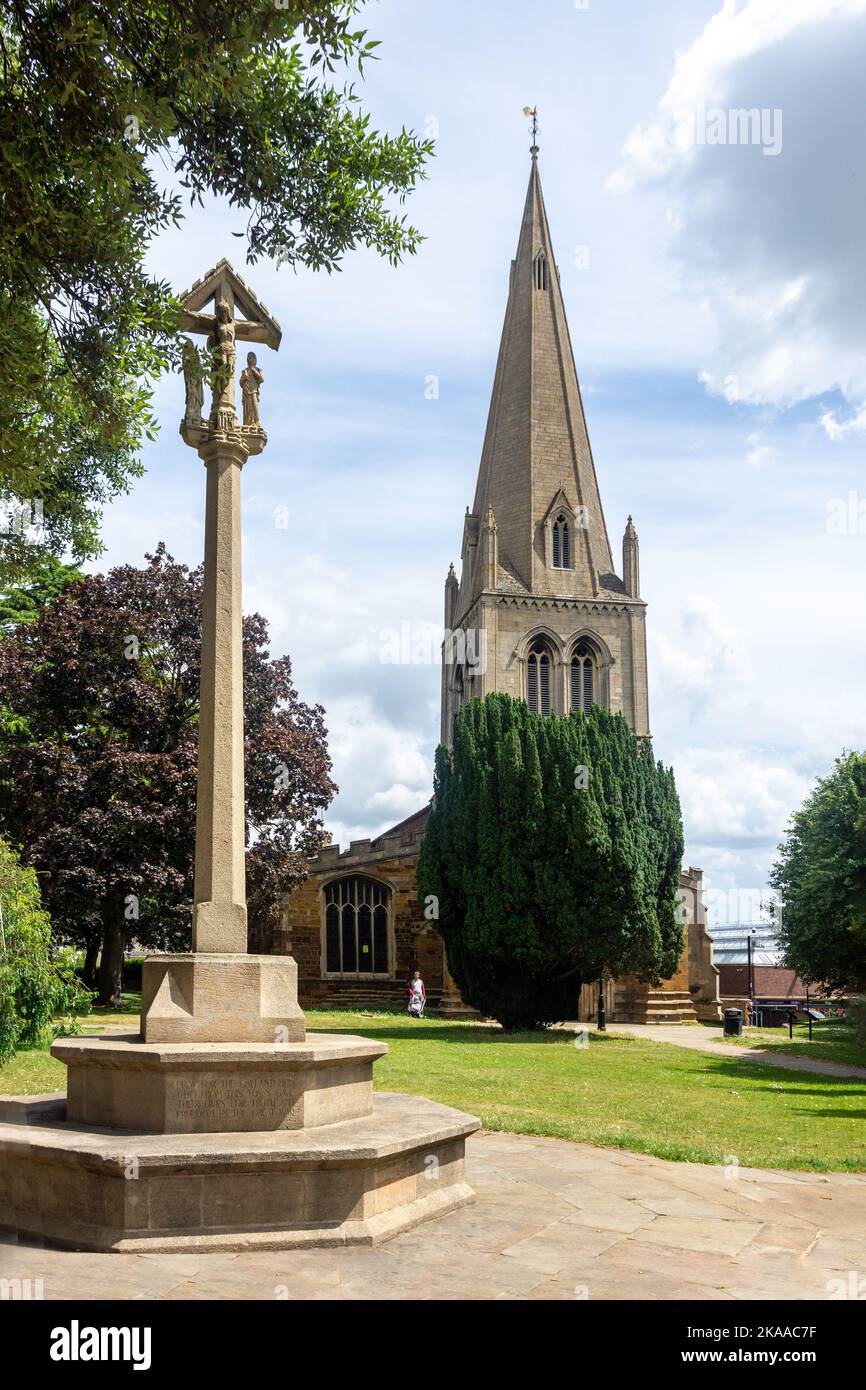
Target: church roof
{"x":536,"y":446}
{"x":507,"y":581}
{"x":410,"y":825}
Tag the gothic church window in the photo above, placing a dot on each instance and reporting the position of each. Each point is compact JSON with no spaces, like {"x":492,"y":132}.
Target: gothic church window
{"x":539,"y":678}
{"x":583,"y":677}
{"x":562,"y":556}
{"x":541,"y":271}
{"x":356,"y":926}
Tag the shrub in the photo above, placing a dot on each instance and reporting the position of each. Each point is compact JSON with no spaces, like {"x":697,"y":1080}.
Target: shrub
{"x":37,"y":981}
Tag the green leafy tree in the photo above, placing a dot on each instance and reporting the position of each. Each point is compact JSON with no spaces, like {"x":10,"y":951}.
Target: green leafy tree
{"x":820,"y":877}
{"x":46,"y":581}
{"x":37,"y":980}
{"x":553,"y":850}
{"x":102,"y":106}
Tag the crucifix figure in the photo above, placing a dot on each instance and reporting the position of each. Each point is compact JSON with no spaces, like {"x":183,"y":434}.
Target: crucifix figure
{"x":223,"y":357}
{"x":223,"y":444}
{"x":222,"y":329}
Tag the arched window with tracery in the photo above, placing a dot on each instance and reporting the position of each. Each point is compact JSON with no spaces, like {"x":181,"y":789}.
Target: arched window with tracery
{"x":562,"y":557}
{"x":356,"y":926}
{"x":584,"y":677}
{"x":539,"y":678}
{"x":541,"y":271}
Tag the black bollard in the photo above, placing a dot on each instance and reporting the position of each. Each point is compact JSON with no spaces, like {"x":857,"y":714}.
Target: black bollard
{"x":602,"y":1014}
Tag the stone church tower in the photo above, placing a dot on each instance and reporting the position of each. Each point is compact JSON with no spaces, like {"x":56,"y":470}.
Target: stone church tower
{"x":539,"y":611}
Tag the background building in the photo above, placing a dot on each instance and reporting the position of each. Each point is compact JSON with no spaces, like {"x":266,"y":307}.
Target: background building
{"x":771,"y":979}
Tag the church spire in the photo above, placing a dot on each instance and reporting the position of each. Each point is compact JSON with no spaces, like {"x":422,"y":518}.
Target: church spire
{"x":538,"y":595}
{"x":536,"y":458}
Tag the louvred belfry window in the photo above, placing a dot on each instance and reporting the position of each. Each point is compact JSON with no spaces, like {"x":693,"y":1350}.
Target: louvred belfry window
{"x":356,"y":926}
{"x":582,"y":677}
{"x":538,"y":679}
{"x":562,"y":544}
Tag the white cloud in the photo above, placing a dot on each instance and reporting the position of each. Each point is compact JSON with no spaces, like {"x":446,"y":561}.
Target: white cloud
{"x":840,"y":429}
{"x":759,"y":452}
{"x":386,"y":771}
{"x":701,"y":665}
{"x":772,"y":246}
{"x":736,"y":802}
{"x":737,"y":795}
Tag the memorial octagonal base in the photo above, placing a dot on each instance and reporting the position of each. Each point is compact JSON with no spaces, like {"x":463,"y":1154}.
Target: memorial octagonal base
{"x":194,"y":1088}
{"x":354,"y":1182}
{"x":233,"y":1132}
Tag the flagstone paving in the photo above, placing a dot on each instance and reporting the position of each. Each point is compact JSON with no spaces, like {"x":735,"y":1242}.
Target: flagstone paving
{"x":552,"y":1220}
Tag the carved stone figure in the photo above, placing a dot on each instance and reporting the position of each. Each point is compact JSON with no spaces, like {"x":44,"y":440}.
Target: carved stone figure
{"x":223,"y":355}
{"x":192,"y":376}
{"x":251,"y":379}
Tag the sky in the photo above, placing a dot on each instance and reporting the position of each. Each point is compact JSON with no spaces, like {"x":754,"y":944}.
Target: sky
{"x":712,"y":275}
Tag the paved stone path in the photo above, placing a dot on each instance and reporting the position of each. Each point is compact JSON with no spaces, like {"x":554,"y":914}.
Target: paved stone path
{"x":703,"y":1039}
{"x":552,"y":1220}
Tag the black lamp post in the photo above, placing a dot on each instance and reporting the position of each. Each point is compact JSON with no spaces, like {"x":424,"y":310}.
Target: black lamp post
{"x":749,"y":943}
{"x":602,"y":1013}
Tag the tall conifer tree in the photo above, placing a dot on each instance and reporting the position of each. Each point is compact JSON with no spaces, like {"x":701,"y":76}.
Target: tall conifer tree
{"x":553,"y":850}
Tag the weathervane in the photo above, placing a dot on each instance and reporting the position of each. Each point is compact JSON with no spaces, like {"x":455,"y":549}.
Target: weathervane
{"x":532,"y":112}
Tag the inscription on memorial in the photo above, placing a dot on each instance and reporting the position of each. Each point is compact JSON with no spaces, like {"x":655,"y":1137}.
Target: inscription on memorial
{"x":226,"y":1101}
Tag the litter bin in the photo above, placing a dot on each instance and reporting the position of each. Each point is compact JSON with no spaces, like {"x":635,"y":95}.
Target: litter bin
{"x":733,"y":1026}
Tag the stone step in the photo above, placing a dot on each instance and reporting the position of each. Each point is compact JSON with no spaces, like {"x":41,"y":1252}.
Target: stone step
{"x":655,"y":1019}
{"x":659,"y":1006}
{"x":678,"y":995}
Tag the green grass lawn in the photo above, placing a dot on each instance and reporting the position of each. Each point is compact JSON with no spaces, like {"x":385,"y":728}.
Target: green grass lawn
{"x":832,"y":1041}
{"x":620,"y":1092}
{"x":32,"y":1072}
{"x":127,"y":1015}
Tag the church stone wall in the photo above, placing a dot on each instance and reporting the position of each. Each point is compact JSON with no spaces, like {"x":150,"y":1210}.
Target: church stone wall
{"x":510,"y":621}
{"x":703,"y":973}
{"x":692,"y":992}
{"x":413,"y":944}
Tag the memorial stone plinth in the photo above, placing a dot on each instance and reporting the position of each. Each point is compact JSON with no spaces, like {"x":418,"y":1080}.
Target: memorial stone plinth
{"x":223,"y":1126}
{"x":175,"y":1088}
{"x":220,"y":997}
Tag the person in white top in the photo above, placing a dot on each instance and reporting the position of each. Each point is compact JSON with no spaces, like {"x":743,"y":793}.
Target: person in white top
{"x":417,"y":995}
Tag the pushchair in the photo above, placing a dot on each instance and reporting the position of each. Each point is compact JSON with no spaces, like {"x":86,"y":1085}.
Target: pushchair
{"x":416,"y":1005}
